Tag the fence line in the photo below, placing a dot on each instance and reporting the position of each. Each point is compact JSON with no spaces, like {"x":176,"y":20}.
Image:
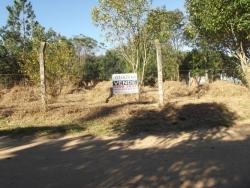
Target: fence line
{"x":205,"y":69}
{"x":8,"y":80}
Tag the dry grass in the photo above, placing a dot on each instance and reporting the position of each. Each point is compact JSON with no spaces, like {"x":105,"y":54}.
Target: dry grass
{"x":88,"y":110}
{"x":176,"y":89}
{"x":225,"y":89}
{"x":17,"y":95}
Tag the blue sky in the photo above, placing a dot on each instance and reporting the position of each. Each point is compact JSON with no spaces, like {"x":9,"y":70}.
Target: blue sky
{"x":72,"y":17}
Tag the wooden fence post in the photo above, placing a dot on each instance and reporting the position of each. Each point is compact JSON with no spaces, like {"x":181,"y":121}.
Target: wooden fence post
{"x":159,"y":69}
{"x":42,"y":75}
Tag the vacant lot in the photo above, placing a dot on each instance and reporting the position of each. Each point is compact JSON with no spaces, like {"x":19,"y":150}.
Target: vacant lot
{"x":89,"y":139}
{"x":95,"y":112}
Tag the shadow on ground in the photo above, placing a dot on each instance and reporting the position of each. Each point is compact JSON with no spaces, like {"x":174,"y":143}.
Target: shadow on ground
{"x":171,"y":118}
{"x":6,"y":112}
{"x":90,"y":162}
{"x":36,"y":130}
{"x":200,"y":160}
{"x":109,"y":110}
{"x":141,"y":118}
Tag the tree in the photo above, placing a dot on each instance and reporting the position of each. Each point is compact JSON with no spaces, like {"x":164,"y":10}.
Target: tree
{"x":225,"y":25}
{"x":91,"y":69}
{"x":17,"y":35}
{"x":111,"y":63}
{"x":171,"y":60}
{"x":84,"y":46}
{"x":166,"y":26}
{"x":21,"y":18}
{"x":20,"y":25}
{"x":60,"y":58}
{"x":61,"y":66}
{"x":9,"y":69}
{"x":123,"y":22}
{"x":200,"y":61}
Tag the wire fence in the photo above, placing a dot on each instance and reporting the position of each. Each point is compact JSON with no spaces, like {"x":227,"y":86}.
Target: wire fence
{"x":184,"y":75}
{"x":10,"y":80}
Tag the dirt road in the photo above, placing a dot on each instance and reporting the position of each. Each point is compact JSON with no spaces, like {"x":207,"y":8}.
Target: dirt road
{"x":214,"y":158}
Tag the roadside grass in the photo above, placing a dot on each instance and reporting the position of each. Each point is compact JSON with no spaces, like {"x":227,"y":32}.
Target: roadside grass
{"x":3,"y":121}
{"x":134,"y":119}
{"x":34,"y":130}
{"x":88,"y":113}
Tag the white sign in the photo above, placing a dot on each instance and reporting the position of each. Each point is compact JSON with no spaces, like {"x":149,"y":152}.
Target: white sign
{"x":125,"y":83}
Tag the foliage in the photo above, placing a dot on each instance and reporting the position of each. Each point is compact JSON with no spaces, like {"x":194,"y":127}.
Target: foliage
{"x":91,"y":69}
{"x":59,"y":56}
{"x":201,"y":61}
{"x":84,"y":45}
{"x":225,"y":25}
{"x":102,"y":67}
{"x":123,"y":22}
{"x":9,"y":69}
{"x":18,"y":32}
{"x":164,"y":25}
{"x":111,"y":63}
{"x":171,"y":61}
{"x":16,"y":39}
{"x":7,"y":63}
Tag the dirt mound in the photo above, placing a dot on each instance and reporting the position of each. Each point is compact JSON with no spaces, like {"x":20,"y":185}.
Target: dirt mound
{"x":20,"y":94}
{"x":102,"y":93}
{"x":226,"y":89}
{"x":99,"y":93}
{"x":175,"y":89}
{"x":3,"y":92}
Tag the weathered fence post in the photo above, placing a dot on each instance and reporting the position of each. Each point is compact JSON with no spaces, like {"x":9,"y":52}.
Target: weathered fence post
{"x":159,"y":69}
{"x":189,"y":79}
{"x":42,"y":75}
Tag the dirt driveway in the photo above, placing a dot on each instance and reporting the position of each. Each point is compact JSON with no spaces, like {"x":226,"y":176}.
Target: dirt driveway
{"x":214,"y":158}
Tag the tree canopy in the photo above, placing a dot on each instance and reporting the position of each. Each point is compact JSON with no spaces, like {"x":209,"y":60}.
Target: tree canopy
{"x":225,"y":25}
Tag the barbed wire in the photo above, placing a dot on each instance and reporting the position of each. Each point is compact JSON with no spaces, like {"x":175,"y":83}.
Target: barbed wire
{"x":180,"y":70}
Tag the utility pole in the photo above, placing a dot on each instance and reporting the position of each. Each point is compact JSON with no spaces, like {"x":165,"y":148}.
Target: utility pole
{"x":159,"y":68}
{"x":42,"y":75}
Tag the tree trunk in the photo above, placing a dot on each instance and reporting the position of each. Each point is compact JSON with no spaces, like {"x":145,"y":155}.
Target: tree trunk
{"x":246,"y":70}
{"x":42,"y":75}
{"x":247,"y":75}
{"x":244,"y":60}
{"x":159,"y":69}
{"x":178,"y":73}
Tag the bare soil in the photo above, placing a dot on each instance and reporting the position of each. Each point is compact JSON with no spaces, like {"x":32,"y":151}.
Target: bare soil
{"x":199,"y":139}
{"x":214,"y":158}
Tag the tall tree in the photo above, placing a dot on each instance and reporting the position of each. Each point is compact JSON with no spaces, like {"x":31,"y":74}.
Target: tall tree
{"x":164,"y":24}
{"x":225,"y":25}
{"x":111,"y":63}
{"x":21,"y":18}
{"x":18,"y":32}
{"x":167,"y":27}
{"x":84,"y":46}
{"x":123,"y":22}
